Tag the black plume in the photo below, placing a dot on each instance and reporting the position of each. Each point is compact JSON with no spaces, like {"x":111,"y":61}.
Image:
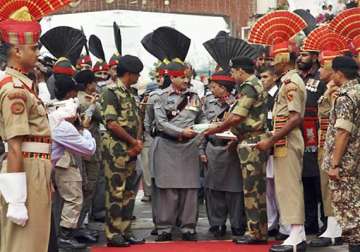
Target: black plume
{"x":308,"y":18}
{"x":117,"y":37}
{"x":223,"y":48}
{"x":174,"y":43}
{"x":86,"y":46}
{"x":222,"y":34}
{"x":64,"y":41}
{"x":96,"y":48}
{"x":153,"y":48}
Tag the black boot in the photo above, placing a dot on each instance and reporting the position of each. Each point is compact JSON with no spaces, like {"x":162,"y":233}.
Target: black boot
{"x":354,"y":247}
{"x":67,"y":241}
{"x":220,"y":232}
{"x":117,"y":241}
{"x":85,"y":236}
{"x":237,"y":231}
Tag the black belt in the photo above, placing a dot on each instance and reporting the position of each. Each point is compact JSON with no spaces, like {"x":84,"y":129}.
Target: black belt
{"x":172,"y":138}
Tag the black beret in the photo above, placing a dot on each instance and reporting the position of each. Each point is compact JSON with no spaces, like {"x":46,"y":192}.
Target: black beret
{"x":64,"y":84}
{"x":131,"y":64}
{"x":242,"y":62}
{"x":344,"y":62}
{"x":85,"y":77}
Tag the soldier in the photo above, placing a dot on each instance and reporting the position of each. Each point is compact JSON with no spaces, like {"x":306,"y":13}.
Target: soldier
{"x":247,"y":121}
{"x":25,"y":200}
{"x":342,"y":150}
{"x":120,"y":150}
{"x":176,"y":180}
{"x":90,"y":109}
{"x":332,"y":234}
{"x":288,"y":148}
{"x":223,"y":179}
{"x":271,"y":84}
{"x":308,"y":66}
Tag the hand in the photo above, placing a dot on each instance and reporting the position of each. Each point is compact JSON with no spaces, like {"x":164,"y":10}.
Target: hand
{"x":136,"y":148}
{"x":17,"y":213}
{"x":204,"y":159}
{"x":333,"y":174}
{"x":188,"y":133}
{"x":264,"y":145}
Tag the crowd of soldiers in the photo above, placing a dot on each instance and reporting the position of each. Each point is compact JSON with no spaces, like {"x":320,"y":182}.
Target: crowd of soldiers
{"x":271,"y":141}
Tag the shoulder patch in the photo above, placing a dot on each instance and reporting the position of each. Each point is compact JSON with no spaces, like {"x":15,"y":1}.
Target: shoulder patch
{"x":17,"y":108}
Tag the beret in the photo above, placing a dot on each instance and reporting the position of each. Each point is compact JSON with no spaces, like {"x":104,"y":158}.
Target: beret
{"x":242,"y":62}
{"x":344,"y":62}
{"x":131,"y":64}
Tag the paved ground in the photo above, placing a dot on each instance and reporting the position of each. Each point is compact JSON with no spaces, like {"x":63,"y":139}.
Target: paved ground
{"x":143,"y":226}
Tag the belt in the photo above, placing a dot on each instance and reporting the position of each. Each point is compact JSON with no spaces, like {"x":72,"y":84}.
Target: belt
{"x":33,"y":147}
{"x":168,"y":137}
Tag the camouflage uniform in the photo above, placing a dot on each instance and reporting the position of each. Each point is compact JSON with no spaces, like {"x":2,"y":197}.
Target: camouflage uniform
{"x":345,"y":192}
{"x":324,"y":108}
{"x":91,"y":165}
{"x":252,"y":104}
{"x":119,"y":105}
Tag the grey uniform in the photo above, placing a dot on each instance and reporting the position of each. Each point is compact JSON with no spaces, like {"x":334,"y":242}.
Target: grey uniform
{"x":176,"y":167}
{"x":223,"y":178}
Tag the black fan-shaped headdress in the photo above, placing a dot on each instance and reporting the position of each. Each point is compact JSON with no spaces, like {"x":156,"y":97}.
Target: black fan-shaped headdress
{"x":96,"y":48}
{"x":173,"y":43}
{"x":308,"y":18}
{"x":64,"y":41}
{"x":117,"y":37}
{"x":223,"y":48}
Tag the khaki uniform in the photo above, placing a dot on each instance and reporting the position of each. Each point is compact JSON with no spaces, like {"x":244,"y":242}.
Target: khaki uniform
{"x":23,"y":114}
{"x":252,"y":105}
{"x":68,"y":182}
{"x":324,"y":109}
{"x":91,"y":165}
{"x":345,"y":192}
{"x":119,"y":105}
{"x":289,"y":151}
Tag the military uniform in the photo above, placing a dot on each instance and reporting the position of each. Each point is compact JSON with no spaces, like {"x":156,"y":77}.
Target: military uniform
{"x":324,"y":108}
{"x":91,"y":165}
{"x":23,"y":114}
{"x":288,"y":152}
{"x":311,"y":176}
{"x":119,"y":105}
{"x":223,"y":178}
{"x":176,"y":177}
{"x":252,"y":105}
{"x":345,"y":192}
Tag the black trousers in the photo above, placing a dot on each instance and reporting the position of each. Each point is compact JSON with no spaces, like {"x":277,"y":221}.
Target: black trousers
{"x":312,"y":198}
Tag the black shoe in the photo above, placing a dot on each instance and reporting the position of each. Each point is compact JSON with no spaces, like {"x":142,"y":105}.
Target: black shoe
{"x":67,"y":241}
{"x":118,"y":241}
{"x":246,"y":239}
{"x":84,"y":236}
{"x":273,"y":232}
{"x":154,"y":232}
{"x":354,"y":247}
{"x":237,"y":231}
{"x":281,"y":237}
{"x":164,"y":237}
{"x":133,"y":218}
{"x":214,"y":229}
{"x":301,"y":247}
{"x":189,"y":236}
{"x":220,"y":232}
{"x":132,"y":240}
{"x":325,"y":242}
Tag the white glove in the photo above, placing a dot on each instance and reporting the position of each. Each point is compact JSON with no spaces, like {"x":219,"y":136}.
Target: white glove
{"x":13,"y":189}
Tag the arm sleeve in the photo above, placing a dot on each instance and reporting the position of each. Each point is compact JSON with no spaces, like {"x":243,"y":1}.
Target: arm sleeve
{"x":247,"y":99}
{"x":15,"y":108}
{"x":68,"y":136}
{"x":294,"y":97}
{"x":108,"y":103}
{"x":163,"y":123}
{"x":344,"y":108}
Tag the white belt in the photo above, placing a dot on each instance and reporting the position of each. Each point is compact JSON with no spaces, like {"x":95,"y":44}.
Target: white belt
{"x":33,"y":147}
